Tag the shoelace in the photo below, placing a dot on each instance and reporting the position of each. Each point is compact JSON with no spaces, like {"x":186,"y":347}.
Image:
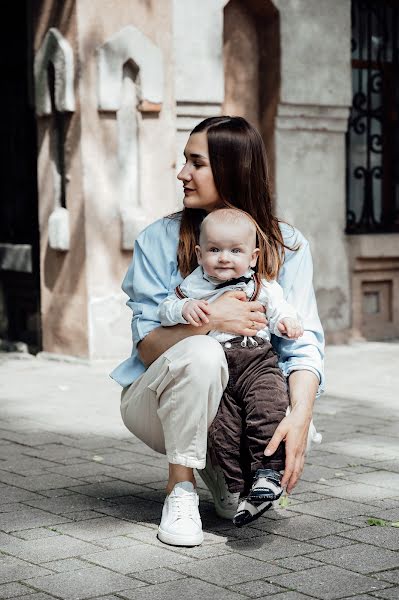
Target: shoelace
{"x":183,"y":506}
{"x":244,"y":342}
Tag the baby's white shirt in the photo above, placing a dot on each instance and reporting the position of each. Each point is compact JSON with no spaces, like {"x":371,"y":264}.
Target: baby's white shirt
{"x":200,"y":286}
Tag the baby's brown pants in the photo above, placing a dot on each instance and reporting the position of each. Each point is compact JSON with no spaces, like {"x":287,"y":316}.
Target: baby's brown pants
{"x":253,"y":404}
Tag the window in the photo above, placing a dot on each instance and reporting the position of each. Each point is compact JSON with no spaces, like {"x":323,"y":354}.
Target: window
{"x":373,"y":132}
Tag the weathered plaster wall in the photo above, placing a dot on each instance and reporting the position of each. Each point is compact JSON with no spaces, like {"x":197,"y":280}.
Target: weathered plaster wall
{"x":106,"y":262}
{"x":63,"y":274}
{"x":310,"y":133}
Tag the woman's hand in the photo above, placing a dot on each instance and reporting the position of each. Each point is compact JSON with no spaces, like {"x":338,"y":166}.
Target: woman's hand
{"x":294,"y":428}
{"x":231,"y":313}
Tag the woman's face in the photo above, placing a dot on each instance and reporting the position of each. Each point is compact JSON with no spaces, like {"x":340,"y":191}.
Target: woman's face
{"x":196,"y":175}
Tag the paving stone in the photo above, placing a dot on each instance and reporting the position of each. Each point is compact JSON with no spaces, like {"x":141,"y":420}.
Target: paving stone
{"x":385,"y":479}
{"x":392,"y":576}
{"x":96,"y":529}
{"x":390,"y":594}
{"x":78,"y":472}
{"x":171,"y":590}
{"x":137,"y":509}
{"x":132,"y":559}
{"x":40,"y":482}
{"x":384,"y":537}
{"x":13,"y":494}
{"x":290,"y":596}
{"x":362,"y":558}
{"x":48,"y":549}
{"x":84,"y":583}
{"x":82,"y":515}
{"x":36,"y":596}
{"x":28,"y":518}
{"x":328,"y":582}
{"x":68,"y":564}
{"x":271,"y":547}
{"x":67,"y":504}
{"x":159,"y":575}
{"x":256,"y":589}
{"x":334,"y":509}
{"x":11,"y":590}
{"x":360,"y":492}
{"x":13,"y":569}
{"x":34,"y":534}
{"x":304,"y":527}
{"x":108,"y":489}
{"x":119,"y":541}
{"x":297,"y":563}
{"x":332,"y":541}
{"x":235,"y":569}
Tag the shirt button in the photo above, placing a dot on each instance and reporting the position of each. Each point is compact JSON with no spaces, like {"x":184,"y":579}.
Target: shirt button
{"x":227,"y":345}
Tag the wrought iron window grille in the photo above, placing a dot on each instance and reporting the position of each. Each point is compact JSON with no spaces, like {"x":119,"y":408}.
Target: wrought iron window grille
{"x":372,"y":141}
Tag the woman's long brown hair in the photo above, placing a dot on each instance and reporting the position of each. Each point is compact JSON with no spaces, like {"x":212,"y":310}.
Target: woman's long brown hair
{"x":237,"y":158}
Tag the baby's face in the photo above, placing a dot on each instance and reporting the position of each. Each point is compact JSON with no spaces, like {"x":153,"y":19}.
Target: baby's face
{"x":227,"y":250}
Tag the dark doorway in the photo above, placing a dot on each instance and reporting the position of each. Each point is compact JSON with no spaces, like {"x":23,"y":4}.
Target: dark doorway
{"x":19,"y":230}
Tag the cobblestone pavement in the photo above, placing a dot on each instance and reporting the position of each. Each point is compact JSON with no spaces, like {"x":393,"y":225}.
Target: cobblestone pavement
{"x":80,"y":498}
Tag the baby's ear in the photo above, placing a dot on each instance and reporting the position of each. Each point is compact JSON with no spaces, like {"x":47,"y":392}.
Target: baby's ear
{"x":198,"y":253}
{"x":254,"y":259}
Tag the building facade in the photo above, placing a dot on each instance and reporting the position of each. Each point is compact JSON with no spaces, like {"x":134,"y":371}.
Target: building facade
{"x":99,"y":102}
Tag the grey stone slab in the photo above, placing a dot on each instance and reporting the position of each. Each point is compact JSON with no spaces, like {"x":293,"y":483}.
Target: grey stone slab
{"x":203,"y":551}
{"x":332,"y":541}
{"x":297,"y":563}
{"x":48,"y":549}
{"x":11,"y":590}
{"x":108,"y":489}
{"x":328,"y":582}
{"x":12,"y":507}
{"x":13,"y":569}
{"x":39,"y":482}
{"x":5,"y":538}
{"x":68,"y":564}
{"x":66,"y":504}
{"x":256,"y":589}
{"x":271,"y":547}
{"x":79,"y":471}
{"x":391,"y":576}
{"x":362,"y":558}
{"x":389,"y":594}
{"x":334,"y":509}
{"x":383,"y":537}
{"x":81,"y":515}
{"x":159,"y":575}
{"x":132,"y":559}
{"x":36,"y":596}
{"x":34,"y":534}
{"x":304,"y":527}
{"x":235,"y":568}
{"x":10,"y":493}
{"x":385,"y":479}
{"x":81,"y":584}
{"x":173,"y":590}
{"x":315,"y":472}
{"x":290,"y":596}
{"x":97,"y":529}
{"x":119,"y":541}
{"x":367,"y":447}
{"x":142,"y":474}
{"x":359,"y":492}
{"x":28,"y":518}
{"x":137,"y":509}
{"x":56,"y":493}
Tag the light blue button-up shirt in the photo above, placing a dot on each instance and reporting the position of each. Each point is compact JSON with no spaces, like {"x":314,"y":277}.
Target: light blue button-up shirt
{"x":153,"y":275}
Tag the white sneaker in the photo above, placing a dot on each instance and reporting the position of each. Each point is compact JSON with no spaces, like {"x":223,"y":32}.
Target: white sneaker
{"x":225,"y":502}
{"x":181,"y":522}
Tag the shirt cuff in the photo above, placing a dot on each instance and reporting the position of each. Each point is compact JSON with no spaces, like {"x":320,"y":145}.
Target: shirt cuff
{"x":290,"y":368}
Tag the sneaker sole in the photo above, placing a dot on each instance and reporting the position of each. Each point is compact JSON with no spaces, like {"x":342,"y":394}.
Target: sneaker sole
{"x":221,"y":511}
{"x":253,"y":517}
{"x":180,"y":540}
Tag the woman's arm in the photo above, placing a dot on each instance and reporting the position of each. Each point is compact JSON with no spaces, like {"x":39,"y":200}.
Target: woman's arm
{"x":229,"y":313}
{"x":293,"y":429}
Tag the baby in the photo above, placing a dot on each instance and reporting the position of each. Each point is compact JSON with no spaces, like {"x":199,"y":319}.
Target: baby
{"x":255,"y":399}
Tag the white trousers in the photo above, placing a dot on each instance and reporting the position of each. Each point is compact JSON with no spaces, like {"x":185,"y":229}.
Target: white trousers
{"x":171,"y":406}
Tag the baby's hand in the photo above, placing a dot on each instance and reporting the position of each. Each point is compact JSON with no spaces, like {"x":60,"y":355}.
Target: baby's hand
{"x":292,"y":328}
{"x":195,"y":311}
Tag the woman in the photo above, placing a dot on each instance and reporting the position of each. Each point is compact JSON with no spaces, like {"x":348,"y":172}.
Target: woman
{"x":175,"y":377}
